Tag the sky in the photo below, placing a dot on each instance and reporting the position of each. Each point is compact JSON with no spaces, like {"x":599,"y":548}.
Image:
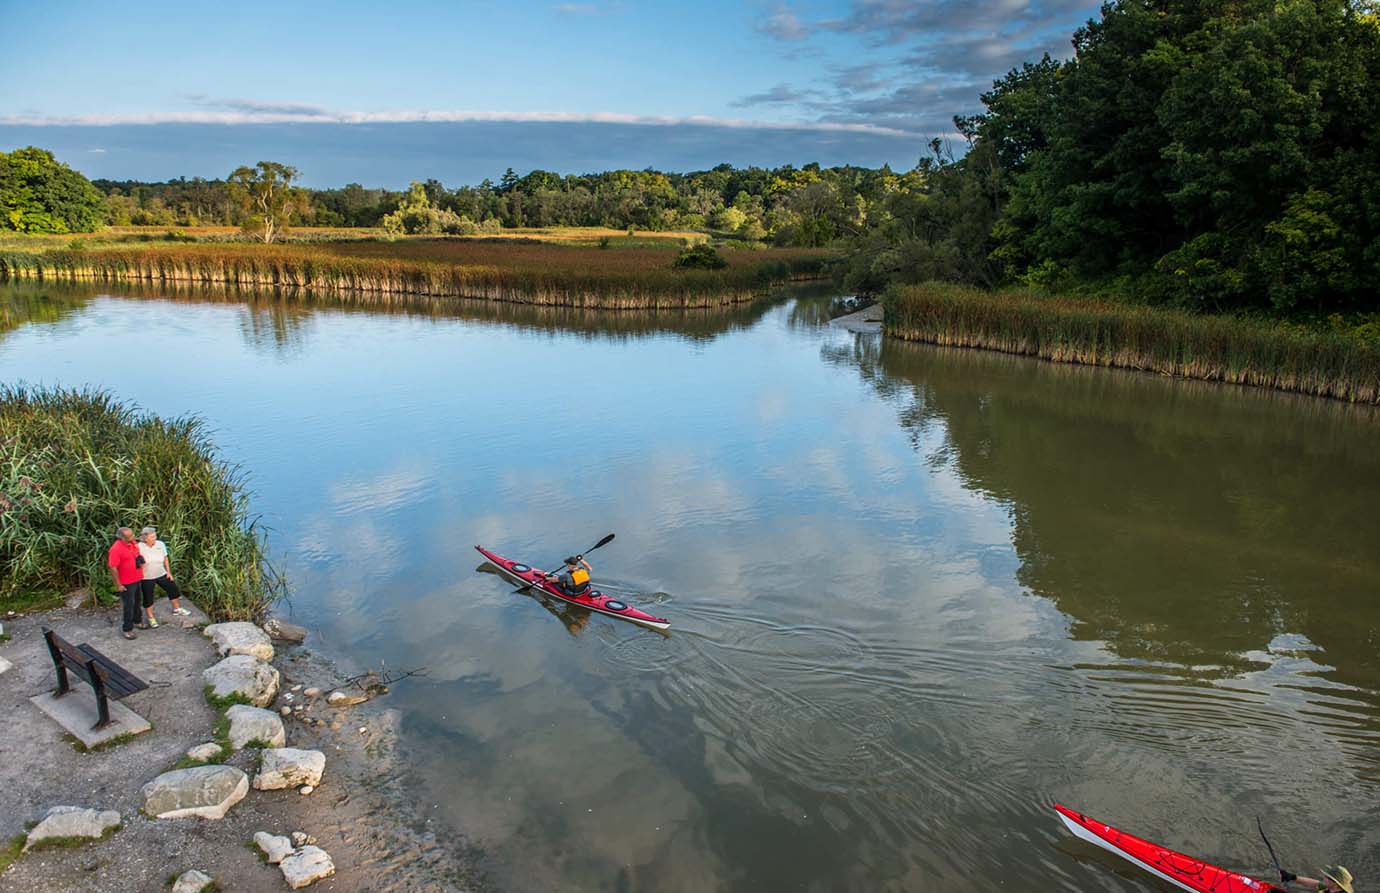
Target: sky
{"x":383,"y":93}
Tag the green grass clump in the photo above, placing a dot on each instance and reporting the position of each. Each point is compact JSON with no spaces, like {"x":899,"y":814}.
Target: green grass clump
{"x":223,"y":704}
{"x":58,"y":843}
{"x":11,"y":850}
{"x":1171,"y":342}
{"x":75,"y":465}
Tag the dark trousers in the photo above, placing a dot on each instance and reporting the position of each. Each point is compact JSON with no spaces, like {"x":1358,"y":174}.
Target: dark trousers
{"x":165,"y":583}
{"x":129,"y":598}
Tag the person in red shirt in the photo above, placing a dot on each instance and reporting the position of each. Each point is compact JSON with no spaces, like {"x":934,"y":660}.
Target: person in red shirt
{"x":127,"y":574}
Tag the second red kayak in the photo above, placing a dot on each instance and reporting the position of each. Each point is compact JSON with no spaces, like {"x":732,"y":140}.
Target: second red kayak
{"x":594,"y":600}
{"x":1182,"y":871}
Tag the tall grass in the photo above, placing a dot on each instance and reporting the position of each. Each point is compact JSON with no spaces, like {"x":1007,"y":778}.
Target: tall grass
{"x":523,"y":272}
{"x":1099,"y":333}
{"x":76,"y":465}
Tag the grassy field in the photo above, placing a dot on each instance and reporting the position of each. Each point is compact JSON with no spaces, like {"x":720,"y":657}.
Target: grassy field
{"x":563,"y":267}
{"x":1268,"y":354}
{"x":75,"y":465}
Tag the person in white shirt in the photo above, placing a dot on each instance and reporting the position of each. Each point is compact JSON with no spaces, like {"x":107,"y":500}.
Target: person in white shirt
{"x":157,"y":575}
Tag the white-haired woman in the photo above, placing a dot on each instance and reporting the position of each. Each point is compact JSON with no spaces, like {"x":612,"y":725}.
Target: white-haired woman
{"x":157,"y":575}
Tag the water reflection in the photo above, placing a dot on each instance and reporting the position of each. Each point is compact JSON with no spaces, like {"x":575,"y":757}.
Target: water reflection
{"x":917,"y":594}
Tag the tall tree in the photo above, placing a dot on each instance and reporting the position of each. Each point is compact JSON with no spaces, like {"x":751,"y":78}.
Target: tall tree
{"x":39,"y":194}
{"x":265,"y":197}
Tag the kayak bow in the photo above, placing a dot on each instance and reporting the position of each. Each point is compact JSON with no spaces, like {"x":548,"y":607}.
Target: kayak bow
{"x":1182,"y":871}
{"x":525,"y":575}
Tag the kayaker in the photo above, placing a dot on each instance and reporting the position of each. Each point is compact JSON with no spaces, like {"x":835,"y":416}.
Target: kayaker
{"x":1336,"y":880}
{"x":575,"y":579}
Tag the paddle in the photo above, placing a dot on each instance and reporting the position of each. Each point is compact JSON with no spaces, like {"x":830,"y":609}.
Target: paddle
{"x":1275,"y":858}
{"x":603,"y":542}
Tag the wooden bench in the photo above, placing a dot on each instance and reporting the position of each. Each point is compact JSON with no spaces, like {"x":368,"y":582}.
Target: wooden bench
{"x":106,"y":678}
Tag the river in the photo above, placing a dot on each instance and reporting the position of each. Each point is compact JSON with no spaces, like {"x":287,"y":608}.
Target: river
{"x":917,"y":595}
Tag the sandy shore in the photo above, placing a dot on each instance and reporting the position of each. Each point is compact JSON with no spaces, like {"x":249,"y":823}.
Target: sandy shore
{"x":361,"y":813}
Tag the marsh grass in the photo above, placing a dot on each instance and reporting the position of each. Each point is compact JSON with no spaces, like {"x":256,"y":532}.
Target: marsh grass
{"x":1099,"y":333}
{"x":75,"y":465}
{"x":534,"y":272}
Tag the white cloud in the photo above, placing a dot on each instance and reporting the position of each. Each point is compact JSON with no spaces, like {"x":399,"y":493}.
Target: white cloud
{"x":307,"y":115}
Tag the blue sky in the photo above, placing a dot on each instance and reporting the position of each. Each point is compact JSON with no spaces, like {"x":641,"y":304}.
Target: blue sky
{"x":660,"y":84}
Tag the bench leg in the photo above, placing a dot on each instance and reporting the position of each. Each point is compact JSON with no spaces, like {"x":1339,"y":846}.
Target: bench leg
{"x":102,"y":705}
{"x":63,"y":686}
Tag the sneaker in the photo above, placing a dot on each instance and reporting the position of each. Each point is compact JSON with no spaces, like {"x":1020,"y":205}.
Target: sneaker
{"x":141,"y":626}
{"x":182,"y":612}
{"x":130,"y":635}
{"x":153,"y":624}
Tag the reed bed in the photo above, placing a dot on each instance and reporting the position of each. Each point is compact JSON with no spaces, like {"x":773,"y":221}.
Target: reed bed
{"x":1099,"y":333}
{"x":521,"y":272}
{"x":76,"y":465}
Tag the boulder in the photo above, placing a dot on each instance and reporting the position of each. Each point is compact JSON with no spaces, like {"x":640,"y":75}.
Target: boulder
{"x":284,"y":631}
{"x":288,"y":767}
{"x":275,"y":847}
{"x":254,"y":724}
{"x":204,"y":753}
{"x":239,"y":637}
{"x":306,"y":866}
{"x":73,"y":821}
{"x":192,"y":882}
{"x":240,"y":674}
{"x":5,"y":665}
{"x":202,"y":791}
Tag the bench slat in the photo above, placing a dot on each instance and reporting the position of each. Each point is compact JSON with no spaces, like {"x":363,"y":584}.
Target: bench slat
{"x":120,"y":681}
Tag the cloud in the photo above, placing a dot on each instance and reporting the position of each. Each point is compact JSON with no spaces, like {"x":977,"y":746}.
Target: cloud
{"x":781,"y":94}
{"x":96,"y":151}
{"x":784,"y":24}
{"x":272,"y":113}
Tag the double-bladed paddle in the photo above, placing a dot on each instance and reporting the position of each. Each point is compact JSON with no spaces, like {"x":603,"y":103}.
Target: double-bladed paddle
{"x":603,"y":542}
{"x":1261,"y":828}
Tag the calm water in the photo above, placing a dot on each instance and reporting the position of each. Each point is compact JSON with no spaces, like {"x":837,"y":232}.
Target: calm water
{"x":917,"y":595}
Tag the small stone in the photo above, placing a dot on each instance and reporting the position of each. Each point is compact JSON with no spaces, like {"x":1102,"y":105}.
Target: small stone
{"x":297,"y":687}
{"x":240,"y":674}
{"x":312,"y":692}
{"x":73,"y":821}
{"x":305,"y":789}
{"x":192,"y":882}
{"x":275,"y":847}
{"x":299,"y":838}
{"x":285,"y":711}
{"x":254,"y":724}
{"x":311,"y":841}
{"x":284,"y":631}
{"x":306,"y":866}
{"x":239,"y":637}
{"x":204,"y":752}
{"x":286,"y":767}
{"x":287,"y":696}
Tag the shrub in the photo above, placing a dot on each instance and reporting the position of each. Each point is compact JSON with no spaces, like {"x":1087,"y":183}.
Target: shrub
{"x":700,"y":257}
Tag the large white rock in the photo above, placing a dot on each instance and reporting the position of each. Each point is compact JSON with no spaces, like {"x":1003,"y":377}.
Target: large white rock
{"x":202,"y":791}
{"x":192,"y":882}
{"x":239,"y":637}
{"x":72,"y":821}
{"x":4,"y":665}
{"x":254,"y":724}
{"x":288,"y":767}
{"x":306,"y":866}
{"x":275,"y":847}
{"x":243,"y":675}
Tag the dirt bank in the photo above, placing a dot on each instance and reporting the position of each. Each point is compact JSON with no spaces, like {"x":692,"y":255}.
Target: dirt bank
{"x":360,"y":813}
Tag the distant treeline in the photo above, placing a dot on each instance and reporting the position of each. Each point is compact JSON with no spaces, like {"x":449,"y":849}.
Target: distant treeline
{"x":808,"y":206}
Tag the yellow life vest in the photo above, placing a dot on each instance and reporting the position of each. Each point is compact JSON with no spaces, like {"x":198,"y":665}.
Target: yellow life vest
{"x":579,"y":577}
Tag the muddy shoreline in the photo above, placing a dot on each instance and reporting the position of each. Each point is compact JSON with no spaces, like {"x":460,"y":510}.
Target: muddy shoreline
{"x":363,"y":813}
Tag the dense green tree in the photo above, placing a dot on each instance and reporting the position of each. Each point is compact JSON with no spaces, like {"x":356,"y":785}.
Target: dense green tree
{"x":39,"y":194}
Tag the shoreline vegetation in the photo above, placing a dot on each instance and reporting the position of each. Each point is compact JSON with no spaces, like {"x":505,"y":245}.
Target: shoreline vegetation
{"x":531,"y":271}
{"x":1087,"y":331}
{"x":77,"y":464}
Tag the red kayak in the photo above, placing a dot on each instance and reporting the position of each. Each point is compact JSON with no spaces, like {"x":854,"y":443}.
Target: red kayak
{"x":1182,"y":871}
{"x":594,"y":600}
